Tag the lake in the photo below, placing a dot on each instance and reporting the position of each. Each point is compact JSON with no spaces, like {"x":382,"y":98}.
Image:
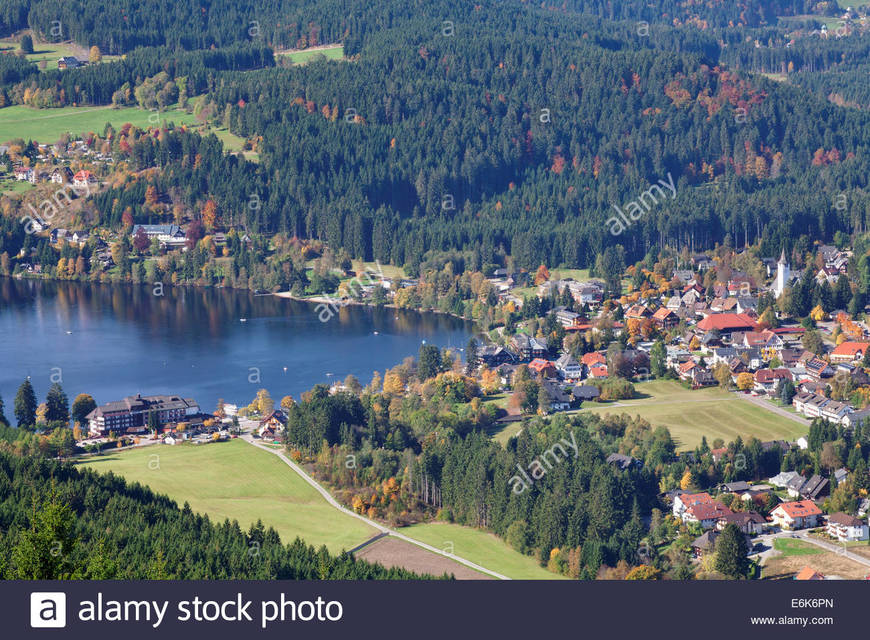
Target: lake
{"x":119,"y":340}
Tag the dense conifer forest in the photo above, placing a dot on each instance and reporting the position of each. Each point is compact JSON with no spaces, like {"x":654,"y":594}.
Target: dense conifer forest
{"x":59,"y":523}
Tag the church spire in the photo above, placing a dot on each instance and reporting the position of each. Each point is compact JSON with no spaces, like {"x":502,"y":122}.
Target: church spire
{"x":782,"y":257}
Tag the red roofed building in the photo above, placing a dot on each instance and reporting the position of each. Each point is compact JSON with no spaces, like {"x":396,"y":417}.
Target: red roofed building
{"x":686,"y":500}
{"x":84,"y":178}
{"x":796,"y":515}
{"x":808,"y":573}
{"x":598,"y":371}
{"x":849,"y":351}
{"x":767,"y":379}
{"x":706,"y":513}
{"x":665,"y":318}
{"x":593,"y":358}
{"x":543,"y":368}
{"x":727,"y":322}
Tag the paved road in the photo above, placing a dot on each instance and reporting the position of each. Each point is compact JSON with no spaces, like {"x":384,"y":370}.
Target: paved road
{"x":764,"y":404}
{"x":839,"y":549}
{"x":377,"y":525}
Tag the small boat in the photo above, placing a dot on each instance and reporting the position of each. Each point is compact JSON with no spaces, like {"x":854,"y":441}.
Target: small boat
{"x":243,"y":319}
{"x":375,"y":332}
{"x":285,"y":369}
{"x":69,"y":333}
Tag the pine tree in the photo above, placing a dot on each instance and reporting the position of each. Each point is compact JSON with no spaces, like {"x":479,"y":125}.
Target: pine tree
{"x":731,"y":551}
{"x":56,"y":405}
{"x":44,"y":552}
{"x":25,"y":405}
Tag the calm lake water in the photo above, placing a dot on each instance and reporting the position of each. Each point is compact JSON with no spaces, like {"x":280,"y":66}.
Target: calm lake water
{"x":115,"y":341}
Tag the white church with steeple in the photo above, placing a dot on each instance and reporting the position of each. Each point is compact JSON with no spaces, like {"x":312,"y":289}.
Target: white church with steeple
{"x":783,"y":275}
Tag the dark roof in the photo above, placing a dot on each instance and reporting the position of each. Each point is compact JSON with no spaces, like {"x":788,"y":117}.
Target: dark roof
{"x":735,"y":486}
{"x":586,"y":392}
{"x":620,"y":460}
{"x":845,"y":519}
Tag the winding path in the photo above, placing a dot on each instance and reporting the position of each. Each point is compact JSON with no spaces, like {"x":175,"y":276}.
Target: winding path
{"x":381,"y":528}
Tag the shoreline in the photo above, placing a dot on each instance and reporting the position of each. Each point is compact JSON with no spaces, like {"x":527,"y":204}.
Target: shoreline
{"x":316,"y":299}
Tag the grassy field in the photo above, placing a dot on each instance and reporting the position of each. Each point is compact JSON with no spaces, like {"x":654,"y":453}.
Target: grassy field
{"x":480,"y":547}
{"x":50,"y":52}
{"x":706,"y":412}
{"x":238,"y":481}
{"x":332,"y":52}
{"x":47,"y":125}
{"x":793,"y":547}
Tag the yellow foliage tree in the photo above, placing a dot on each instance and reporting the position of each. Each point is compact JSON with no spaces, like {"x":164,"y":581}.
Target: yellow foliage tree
{"x":393,"y":383}
{"x":745,"y":381}
{"x":818,"y":314}
{"x":686,"y":480}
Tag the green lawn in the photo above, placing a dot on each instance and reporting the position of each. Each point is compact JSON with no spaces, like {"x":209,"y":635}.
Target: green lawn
{"x":480,"y":547}
{"x":332,"y":52}
{"x":50,"y":52}
{"x":238,"y":481}
{"x":47,"y":125}
{"x":11,"y":185}
{"x":705,"y":412}
{"x":794,"y":547}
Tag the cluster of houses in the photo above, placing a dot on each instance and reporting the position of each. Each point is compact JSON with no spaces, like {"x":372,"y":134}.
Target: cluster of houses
{"x":711,"y":515}
{"x":60,"y":175}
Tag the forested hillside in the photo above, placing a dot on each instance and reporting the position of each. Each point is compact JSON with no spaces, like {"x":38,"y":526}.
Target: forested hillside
{"x":496,"y":129}
{"x":56,"y":522}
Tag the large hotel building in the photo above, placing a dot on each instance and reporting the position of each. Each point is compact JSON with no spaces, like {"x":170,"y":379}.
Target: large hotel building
{"x":130,"y":415}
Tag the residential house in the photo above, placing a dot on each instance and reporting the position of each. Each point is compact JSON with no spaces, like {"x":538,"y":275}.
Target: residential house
{"x":559,"y":400}
{"x":70,"y":62}
{"x":23,"y":174}
{"x":585,"y":392}
{"x":706,"y":513}
{"x":834,"y":411}
{"x":796,"y":515}
{"x":493,"y":355}
{"x":766,"y":380}
{"x":543,"y":368}
{"x":849,"y":352}
{"x":61,"y":175}
{"x":846,"y":528}
{"x":84,"y":178}
{"x":665,"y":318}
{"x":529,"y":347}
{"x":818,"y":368}
{"x":568,"y":367}
{"x":686,"y":500}
{"x":808,"y":573}
{"x":782,"y":479}
{"x":623,"y":462}
{"x":274,"y":423}
{"x":749,"y":522}
{"x":734,"y":487}
{"x":815,"y":488}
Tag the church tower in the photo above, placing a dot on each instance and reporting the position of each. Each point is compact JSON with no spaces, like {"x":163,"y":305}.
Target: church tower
{"x":783,"y":275}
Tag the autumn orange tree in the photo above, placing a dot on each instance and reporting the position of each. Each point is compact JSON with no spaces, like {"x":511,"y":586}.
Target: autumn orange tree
{"x":209,"y":214}
{"x":542,"y":274}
